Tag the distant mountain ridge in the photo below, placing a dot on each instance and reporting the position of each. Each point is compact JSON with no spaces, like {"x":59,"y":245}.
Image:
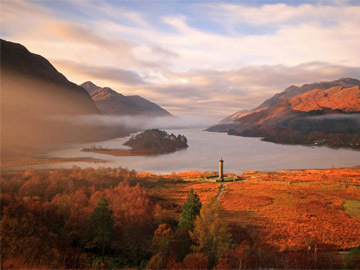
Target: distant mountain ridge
{"x":287,"y":117}
{"x":111,"y":102}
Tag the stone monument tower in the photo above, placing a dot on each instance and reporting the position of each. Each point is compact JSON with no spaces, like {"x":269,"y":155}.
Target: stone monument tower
{"x":221,"y":169}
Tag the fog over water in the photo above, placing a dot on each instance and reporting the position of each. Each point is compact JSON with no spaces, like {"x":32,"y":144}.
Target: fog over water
{"x":206,"y":148}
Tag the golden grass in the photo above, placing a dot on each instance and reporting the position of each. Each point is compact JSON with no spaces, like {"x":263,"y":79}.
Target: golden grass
{"x":288,"y":207}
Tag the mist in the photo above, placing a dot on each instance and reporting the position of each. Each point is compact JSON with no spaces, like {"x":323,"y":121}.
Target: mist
{"x":355,"y":116}
{"x":139,"y":122}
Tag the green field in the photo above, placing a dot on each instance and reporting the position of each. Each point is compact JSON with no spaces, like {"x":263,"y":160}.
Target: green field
{"x":352,"y":208}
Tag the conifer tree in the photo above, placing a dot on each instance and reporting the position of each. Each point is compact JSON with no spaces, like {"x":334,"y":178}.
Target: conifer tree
{"x":102,"y":224}
{"x":211,"y":234}
{"x":191,"y":209}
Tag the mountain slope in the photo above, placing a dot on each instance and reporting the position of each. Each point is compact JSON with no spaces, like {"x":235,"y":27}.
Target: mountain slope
{"x":304,"y":115}
{"x":111,"y":102}
{"x":32,"y":92}
{"x":18,"y":62}
{"x":293,"y":91}
{"x":336,"y":98}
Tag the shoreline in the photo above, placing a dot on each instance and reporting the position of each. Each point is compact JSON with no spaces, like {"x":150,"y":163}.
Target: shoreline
{"x":28,"y":161}
{"x":142,"y":152}
{"x":311,"y":145}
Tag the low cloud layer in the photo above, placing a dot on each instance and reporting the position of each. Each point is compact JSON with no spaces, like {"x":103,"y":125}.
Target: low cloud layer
{"x":355,"y":117}
{"x":138,"y":122}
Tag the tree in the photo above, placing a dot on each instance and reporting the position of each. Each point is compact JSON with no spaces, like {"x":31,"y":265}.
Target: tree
{"x":211,"y":233}
{"x":102,"y":224}
{"x":161,"y":239}
{"x":191,"y":209}
{"x":156,"y":262}
{"x":352,"y":260}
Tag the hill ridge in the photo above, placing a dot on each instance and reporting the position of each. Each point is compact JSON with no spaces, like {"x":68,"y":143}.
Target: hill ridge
{"x":112,"y":102}
{"x":287,"y":116}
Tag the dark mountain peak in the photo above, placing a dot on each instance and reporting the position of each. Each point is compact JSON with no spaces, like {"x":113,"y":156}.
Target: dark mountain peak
{"x":32,"y":93}
{"x":112,"y":102}
{"x":37,"y":77}
{"x":348,"y":82}
{"x":89,"y":86}
{"x":15,"y":58}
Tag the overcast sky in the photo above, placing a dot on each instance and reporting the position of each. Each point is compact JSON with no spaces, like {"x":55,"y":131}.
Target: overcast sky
{"x":192,"y":57}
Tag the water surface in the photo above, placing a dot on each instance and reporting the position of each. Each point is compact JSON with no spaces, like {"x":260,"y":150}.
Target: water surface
{"x":205,"y":150}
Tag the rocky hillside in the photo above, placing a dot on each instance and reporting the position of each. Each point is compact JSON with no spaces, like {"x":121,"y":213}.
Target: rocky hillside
{"x":326,"y":113}
{"x":111,"y":102}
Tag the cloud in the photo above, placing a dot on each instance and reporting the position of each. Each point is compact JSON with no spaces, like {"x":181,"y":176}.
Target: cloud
{"x":33,"y":25}
{"x":224,"y":92}
{"x":281,"y":13}
{"x":106,"y":73}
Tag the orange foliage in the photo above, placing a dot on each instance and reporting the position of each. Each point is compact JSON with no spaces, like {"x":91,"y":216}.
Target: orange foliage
{"x":268,"y":212}
{"x":287,"y":207}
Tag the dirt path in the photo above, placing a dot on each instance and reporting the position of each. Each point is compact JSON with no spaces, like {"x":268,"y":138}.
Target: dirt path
{"x":221,"y":189}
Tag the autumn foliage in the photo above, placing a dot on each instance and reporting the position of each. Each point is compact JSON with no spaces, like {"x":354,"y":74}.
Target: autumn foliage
{"x":285,"y":219}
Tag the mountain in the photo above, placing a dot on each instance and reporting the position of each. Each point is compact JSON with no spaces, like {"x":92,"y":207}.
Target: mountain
{"x":111,"y":102}
{"x":20,"y":64}
{"x":293,"y":91}
{"x":89,"y":86}
{"x":33,"y":93}
{"x":327,"y":111}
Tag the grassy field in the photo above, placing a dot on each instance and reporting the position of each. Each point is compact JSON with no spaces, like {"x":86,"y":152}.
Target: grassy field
{"x":352,"y":208}
{"x":284,"y":209}
{"x":171,"y":190}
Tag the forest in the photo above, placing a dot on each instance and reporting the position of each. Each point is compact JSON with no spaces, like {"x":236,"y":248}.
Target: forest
{"x":157,"y":142}
{"x":117,"y":218}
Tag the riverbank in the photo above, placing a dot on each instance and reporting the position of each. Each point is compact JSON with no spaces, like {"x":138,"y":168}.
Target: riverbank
{"x":28,"y":161}
{"x":142,"y":152}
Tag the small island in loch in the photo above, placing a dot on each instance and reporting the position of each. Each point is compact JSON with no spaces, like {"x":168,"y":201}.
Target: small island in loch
{"x":148,"y":143}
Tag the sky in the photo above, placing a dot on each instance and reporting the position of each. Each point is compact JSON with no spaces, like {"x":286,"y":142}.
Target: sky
{"x":202,"y":58}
